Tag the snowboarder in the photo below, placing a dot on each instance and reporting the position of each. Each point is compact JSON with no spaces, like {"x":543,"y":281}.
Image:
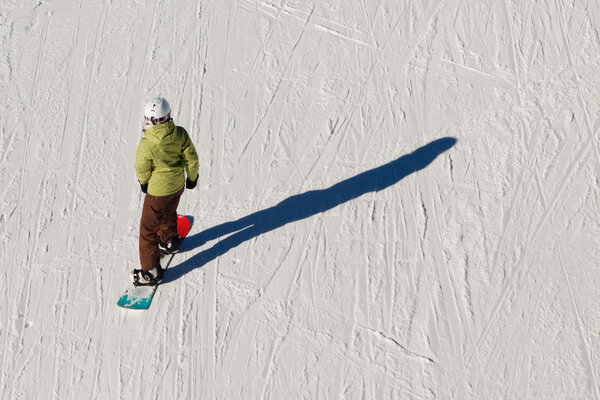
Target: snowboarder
{"x":162,"y":156}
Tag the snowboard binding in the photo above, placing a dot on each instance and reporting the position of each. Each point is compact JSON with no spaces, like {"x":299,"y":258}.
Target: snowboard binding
{"x":153,"y":277}
{"x":171,"y":247}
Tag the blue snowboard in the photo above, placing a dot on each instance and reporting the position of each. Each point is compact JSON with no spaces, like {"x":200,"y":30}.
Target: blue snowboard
{"x":140,"y":297}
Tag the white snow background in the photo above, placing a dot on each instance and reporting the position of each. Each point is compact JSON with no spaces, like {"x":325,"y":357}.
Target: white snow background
{"x":413,"y":188}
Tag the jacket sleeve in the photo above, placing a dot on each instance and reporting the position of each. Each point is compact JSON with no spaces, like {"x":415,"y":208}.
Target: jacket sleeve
{"x":143,"y":163}
{"x":190,"y":157}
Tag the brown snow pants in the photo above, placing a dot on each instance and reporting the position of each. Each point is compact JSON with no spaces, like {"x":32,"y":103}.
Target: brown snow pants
{"x":159,"y":214}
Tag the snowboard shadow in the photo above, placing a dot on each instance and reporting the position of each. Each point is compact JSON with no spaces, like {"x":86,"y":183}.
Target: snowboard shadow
{"x":303,"y":206}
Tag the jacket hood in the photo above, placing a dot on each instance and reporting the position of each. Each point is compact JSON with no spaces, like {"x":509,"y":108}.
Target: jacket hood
{"x":161,"y":132}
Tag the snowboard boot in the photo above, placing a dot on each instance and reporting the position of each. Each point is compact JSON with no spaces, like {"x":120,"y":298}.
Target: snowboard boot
{"x":140,"y":277}
{"x":171,"y":247}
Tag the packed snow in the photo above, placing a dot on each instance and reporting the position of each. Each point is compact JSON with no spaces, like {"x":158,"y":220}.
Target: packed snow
{"x":397,"y":199}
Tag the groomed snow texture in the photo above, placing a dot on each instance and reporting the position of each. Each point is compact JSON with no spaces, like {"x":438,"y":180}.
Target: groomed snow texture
{"x":397,"y":199}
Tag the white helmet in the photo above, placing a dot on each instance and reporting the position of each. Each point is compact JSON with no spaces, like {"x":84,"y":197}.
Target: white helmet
{"x":157,"y":111}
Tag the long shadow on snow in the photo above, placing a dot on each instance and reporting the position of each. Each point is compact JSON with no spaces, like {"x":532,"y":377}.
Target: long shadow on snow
{"x":305,"y":205}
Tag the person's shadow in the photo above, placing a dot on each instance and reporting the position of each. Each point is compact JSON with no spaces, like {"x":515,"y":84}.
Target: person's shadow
{"x":304,"y":205}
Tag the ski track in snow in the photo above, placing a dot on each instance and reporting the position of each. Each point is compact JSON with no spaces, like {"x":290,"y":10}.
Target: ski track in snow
{"x":473,"y":275}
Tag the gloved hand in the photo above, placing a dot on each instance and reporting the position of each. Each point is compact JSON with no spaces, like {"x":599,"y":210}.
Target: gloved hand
{"x":190,"y":184}
{"x":144,"y":187}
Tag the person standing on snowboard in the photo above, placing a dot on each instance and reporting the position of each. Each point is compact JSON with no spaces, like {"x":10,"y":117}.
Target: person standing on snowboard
{"x":165,"y":152}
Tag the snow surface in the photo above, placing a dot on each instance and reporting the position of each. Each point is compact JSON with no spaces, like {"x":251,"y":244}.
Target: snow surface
{"x":398,"y":199}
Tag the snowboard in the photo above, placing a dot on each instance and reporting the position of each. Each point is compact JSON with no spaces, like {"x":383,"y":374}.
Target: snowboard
{"x":140,"y":297}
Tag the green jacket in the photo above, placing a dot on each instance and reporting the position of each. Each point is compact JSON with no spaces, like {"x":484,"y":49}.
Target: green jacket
{"x":162,"y":157}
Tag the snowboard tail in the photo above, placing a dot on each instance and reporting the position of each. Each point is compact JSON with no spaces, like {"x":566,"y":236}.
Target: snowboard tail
{"x":140,"y":297}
